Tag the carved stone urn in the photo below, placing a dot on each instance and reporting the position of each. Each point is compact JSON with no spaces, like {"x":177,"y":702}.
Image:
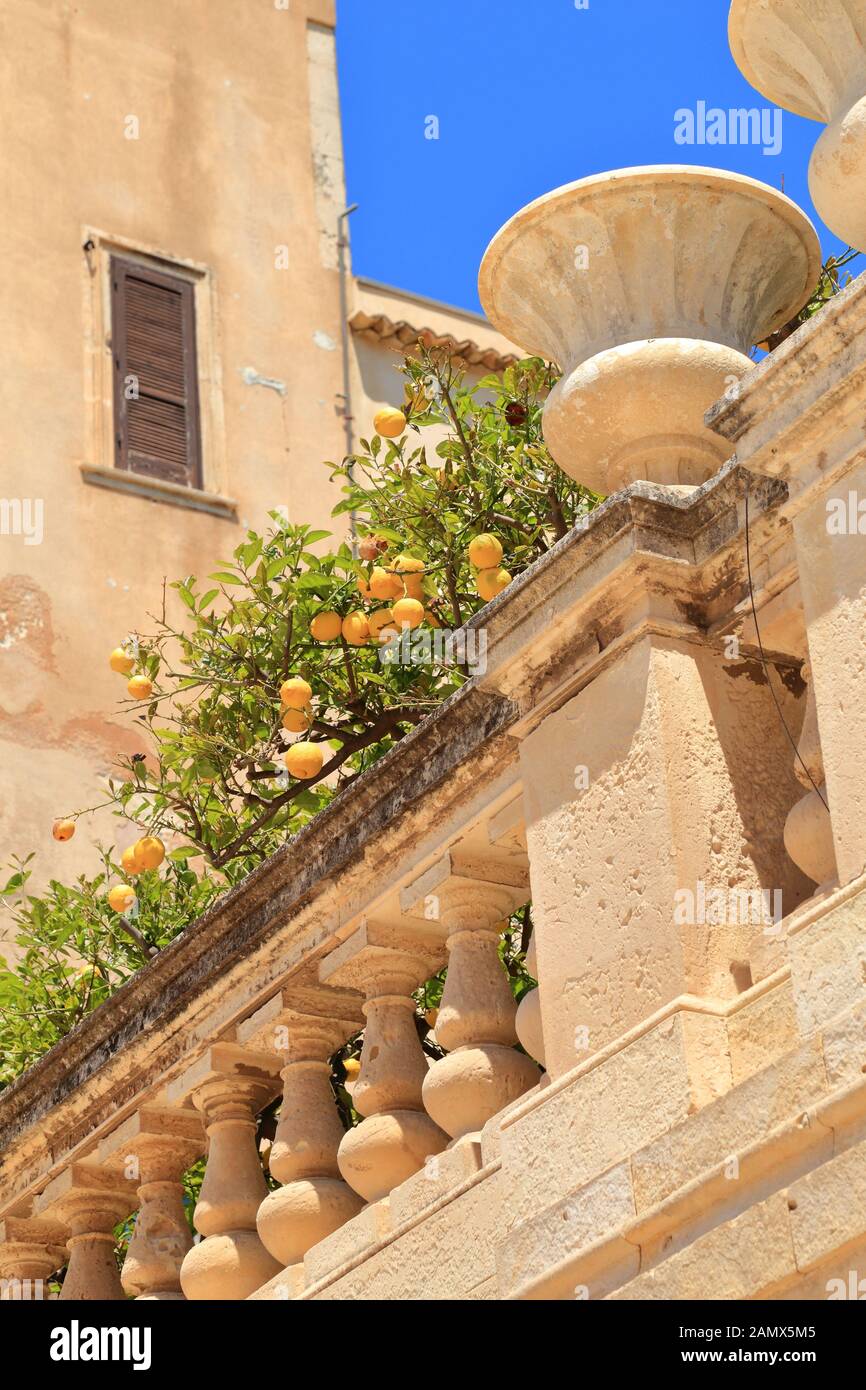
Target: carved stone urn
{"x":648,"y":287}
{"x":809,"y":56}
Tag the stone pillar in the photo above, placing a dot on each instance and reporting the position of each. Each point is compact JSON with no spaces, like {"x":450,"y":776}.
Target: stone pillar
{"x":229,"y":1085}
{"x":482,"y":1072}
{"x":154,"y":1148}
{"x":655,"y":801}
{"x":527,"y":1021}
{"x":649,"y":287}
{"x":811,"y":59}
{"x":396,"y":1135}
{"x":304,"y":1026}
{"x":30,"y":1252}
{"x":89,"y":1201}
{"x":799,"y":420}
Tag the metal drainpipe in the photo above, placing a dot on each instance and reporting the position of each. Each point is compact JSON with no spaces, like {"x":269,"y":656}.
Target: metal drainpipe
{"x":342,"y":248}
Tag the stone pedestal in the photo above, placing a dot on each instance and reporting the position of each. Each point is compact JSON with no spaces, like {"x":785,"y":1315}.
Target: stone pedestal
{"x":654,"y":803}
{"x":799,"y":419}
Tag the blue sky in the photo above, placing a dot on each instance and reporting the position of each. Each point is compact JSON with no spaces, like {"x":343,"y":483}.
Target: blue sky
{"x":529,"y":94}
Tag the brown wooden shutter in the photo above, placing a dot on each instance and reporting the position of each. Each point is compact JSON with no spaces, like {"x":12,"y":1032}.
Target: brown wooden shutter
{"x":153,"y":341}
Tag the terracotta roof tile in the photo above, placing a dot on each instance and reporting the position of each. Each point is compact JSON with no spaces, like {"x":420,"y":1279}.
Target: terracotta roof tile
{"x":401,"y":336}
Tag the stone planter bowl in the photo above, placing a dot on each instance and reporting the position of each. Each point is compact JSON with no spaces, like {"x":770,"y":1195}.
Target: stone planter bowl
{"x":809,"y":56}
{"x":648,"y":287}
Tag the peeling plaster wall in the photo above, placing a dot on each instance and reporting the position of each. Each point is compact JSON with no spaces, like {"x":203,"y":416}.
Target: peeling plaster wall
{"x":226,"y":169}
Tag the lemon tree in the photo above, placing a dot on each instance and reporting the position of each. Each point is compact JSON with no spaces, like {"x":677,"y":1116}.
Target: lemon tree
{"x":272,"y":696}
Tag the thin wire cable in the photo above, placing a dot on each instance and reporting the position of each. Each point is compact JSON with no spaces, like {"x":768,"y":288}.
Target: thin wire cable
{"x":764,"y":659}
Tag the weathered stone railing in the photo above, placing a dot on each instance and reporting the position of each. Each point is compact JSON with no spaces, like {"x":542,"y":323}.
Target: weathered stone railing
{"x":622,"y":763}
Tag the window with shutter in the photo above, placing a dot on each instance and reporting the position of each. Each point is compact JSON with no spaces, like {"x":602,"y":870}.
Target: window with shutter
{"x":155,"y":374}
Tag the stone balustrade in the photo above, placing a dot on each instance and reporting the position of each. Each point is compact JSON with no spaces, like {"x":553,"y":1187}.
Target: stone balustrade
{"x":625,"y":764}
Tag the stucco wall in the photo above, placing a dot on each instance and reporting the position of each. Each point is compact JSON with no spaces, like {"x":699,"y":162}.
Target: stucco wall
{"x":226,"y":169}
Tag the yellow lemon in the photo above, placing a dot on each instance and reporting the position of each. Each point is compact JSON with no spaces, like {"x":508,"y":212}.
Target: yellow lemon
{"x":304,"y":760}
{"x":408,"y":564}
{"x":121,"y":661}
{"x":356,"y":629}
{"x":140,"y":688}
{"x":485,"y":552}
{"x":384,"y":585}
{"x":408,"y":611}
{"x":149,"y":851}
{"x":378,"y":620}
{"x":296,"y":693}
{"x":352,"y":1068}
{"x":129,"y":860}
{"x":491,"y":582}
{"x":121,"y":897}
{"x":412,"y":572}
{"x":325,"y":627}
{"x":388,"y":422}
{"x":295,"y":721}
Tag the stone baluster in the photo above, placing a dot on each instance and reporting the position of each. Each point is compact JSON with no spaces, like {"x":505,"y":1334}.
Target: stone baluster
{"x":228,"y":1086}
{"x":482,"y":1072}
{"x":90,"y":1202}
{"x":808,"y":831}
{"x":30,"y":1252}
{"x":527,"y":1020}
{"x":396,"y":1136}
{"x":154,"y":1148}
{"x":304,"y":1026}
{"x":811,"y":59}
